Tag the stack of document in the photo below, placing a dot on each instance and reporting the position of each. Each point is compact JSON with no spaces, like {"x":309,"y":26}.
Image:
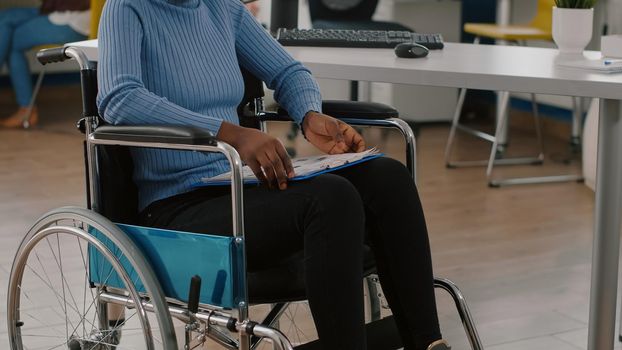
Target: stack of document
{"x":603,"y":65}
{"x":303,"y":167}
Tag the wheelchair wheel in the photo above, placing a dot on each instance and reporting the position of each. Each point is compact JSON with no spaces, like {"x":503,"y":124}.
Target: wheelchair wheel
{"x":53,"y":302}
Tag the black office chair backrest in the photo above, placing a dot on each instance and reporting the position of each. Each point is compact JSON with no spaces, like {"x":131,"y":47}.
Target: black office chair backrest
{"x":342,"y":10}
{"x":117,"y":192}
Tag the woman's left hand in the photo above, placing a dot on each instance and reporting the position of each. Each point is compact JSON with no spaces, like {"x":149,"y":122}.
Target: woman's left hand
{"x":331,"y":135}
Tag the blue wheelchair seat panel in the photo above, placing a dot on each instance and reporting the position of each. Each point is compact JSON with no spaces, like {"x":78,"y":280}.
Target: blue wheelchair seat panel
{"x":175,"y":257}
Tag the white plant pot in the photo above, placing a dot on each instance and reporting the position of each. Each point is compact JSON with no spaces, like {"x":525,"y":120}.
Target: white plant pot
{"x":572,"y":30}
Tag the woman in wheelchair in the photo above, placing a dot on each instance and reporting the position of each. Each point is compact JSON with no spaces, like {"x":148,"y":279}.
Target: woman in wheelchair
{"x":178,"y":62}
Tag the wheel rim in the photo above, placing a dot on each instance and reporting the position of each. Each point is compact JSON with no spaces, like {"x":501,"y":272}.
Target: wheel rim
{"x":51,"y":303}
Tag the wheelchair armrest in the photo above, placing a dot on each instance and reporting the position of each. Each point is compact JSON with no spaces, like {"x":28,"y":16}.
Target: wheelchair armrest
{"x":186,"y":135}
{"x":358,"y":110}
{"x":280,"y":115}
{"x":342,"y":110}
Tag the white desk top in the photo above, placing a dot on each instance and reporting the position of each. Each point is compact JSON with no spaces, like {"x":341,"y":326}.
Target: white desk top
{"x":485,"y":67}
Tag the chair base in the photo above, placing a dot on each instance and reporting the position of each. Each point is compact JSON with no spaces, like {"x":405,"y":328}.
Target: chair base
{"x":505,"y":161}
{"x":535,"y":180}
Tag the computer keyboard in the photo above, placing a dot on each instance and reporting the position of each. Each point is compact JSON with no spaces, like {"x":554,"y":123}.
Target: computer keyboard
{"x":355,"y":38}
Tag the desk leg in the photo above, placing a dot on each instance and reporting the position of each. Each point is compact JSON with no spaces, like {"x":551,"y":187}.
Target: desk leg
{"x":364,"y":91}
{"x":605,"y":252}
{"x":504,"y":12}
{"x":503,"y":114}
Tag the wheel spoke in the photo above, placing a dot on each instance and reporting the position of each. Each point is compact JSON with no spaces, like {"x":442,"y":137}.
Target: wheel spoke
{"x":46,"y":325}
{"x":49,"y":284}
{"x":58,"y":296}
{"x":83,"y":319}
{"x":62,"y":281}
{"x":42,"y":336}
{"x":86,"y":281}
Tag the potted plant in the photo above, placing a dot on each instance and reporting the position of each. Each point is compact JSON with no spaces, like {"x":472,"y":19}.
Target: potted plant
{"x":572,"y":25}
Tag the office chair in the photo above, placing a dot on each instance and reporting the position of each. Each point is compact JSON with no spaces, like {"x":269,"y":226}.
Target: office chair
{"x":539,"y":28}
{"x":97,"y":7}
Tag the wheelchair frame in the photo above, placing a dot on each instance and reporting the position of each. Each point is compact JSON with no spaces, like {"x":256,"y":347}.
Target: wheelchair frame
{"x":199,"y":318}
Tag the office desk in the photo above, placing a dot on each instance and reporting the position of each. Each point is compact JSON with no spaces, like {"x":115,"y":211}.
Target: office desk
{"x":517,"y":69}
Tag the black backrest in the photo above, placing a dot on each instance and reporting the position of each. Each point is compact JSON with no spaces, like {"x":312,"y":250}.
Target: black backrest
{"x":117,"y":193}
{"x":322,"y":10}
{"x":253,"y":89}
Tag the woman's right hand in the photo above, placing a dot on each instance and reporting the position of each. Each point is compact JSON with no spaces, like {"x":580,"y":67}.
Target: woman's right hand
{"x":264,"y":154}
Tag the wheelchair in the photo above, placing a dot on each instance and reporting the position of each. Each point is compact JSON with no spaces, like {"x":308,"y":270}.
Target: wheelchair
{"x":87,"y":278}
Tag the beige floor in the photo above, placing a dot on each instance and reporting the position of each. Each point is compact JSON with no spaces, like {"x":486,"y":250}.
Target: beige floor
{"x":521,"y":255}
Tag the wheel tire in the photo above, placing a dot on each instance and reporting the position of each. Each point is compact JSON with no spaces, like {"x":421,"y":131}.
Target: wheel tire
{"x":52,"y":301}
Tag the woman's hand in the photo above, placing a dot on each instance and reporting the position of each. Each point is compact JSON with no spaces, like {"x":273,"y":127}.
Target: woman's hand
{"x":331,"y":135}
{"x":264,"y":154}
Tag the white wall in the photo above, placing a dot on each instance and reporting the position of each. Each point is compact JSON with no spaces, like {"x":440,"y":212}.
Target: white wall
{"x":614,"y":16}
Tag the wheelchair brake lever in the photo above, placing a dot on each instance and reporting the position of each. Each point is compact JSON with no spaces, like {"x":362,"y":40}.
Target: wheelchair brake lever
{"x":193,"y":295}
{"x":193,"y":307}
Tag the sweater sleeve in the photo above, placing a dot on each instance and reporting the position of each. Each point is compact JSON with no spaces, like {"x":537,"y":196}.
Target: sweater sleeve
{"x":295,"y":88}
{"x":123,"y":98}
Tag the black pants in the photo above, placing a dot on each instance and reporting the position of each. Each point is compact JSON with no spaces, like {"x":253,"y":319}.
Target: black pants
{"x":327,"y":217}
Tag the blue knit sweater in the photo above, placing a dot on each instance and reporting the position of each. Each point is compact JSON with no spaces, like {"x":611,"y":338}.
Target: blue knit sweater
{"x":166,"y":62}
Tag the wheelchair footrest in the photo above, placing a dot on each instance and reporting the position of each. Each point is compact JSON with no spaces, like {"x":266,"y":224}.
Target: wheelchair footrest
{"x":381,"y":335}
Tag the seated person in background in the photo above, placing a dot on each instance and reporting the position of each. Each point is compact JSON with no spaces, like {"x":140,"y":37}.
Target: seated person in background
{"x":177,"y":62}
{"x":21,"y":29}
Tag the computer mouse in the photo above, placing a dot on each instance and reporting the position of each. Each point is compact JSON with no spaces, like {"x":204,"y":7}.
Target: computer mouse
{"x":411,"y":50}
